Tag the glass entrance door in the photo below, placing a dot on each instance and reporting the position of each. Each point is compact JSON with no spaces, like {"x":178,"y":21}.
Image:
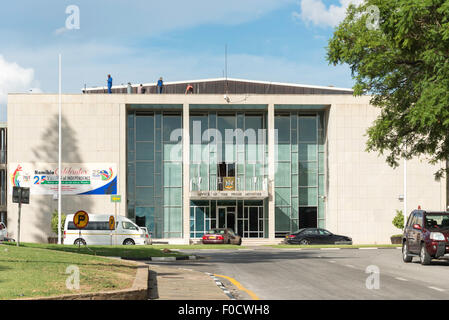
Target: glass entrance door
{"x":252,"y":224}
{"x":308,"y":217}
{"x":226,"y":217}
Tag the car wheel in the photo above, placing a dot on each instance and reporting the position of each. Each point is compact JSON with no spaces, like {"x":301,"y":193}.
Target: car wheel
{"x":424,"y":255}
{"x":405,"y":254}
{"x":128,"y":242}
{"x":79,"y":242}
{"x":304,"y":242}
{"x":240,"y":242}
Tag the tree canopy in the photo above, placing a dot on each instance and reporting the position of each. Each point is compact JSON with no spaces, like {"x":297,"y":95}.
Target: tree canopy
{"x":403,"y":63}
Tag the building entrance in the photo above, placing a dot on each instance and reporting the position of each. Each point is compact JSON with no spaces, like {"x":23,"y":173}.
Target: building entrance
{"x":226,"y":217}
{"x":252,"y":223}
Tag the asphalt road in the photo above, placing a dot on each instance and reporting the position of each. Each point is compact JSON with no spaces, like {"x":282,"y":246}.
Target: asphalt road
{"x":354,"y":274}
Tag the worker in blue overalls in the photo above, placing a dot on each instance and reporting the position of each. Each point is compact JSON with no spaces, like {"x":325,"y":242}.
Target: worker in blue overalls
{"x":109,"y":83}
{"x":160,"y":85}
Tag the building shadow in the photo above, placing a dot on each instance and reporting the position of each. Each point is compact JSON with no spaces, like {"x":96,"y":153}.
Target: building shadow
{"x":47,"y":152}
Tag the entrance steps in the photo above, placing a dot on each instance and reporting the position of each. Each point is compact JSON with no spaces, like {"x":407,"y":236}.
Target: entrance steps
{"x":261,"y":241}
{"x":250,"y":242}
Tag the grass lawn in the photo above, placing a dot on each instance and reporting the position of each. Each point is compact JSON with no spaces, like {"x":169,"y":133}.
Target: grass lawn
{"x":130,"y":252}
{"x":28,"y":271}
{"x":353,"y":246}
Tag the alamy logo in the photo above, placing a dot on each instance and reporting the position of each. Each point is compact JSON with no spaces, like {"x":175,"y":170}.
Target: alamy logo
{"x":73,"y":281}
{"x":73,"y":20}
{"x":373,"y":280}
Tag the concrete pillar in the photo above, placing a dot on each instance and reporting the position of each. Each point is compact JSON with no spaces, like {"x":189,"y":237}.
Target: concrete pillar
{"x":122,"y":208}
{"x":271,"y":168}
{"x":186,"y":172}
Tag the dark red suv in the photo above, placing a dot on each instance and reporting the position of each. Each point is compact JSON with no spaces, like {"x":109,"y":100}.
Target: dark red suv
{"x":426,"y":235}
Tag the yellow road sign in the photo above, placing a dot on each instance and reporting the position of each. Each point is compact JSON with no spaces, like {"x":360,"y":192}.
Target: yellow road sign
{"x":116,"y":198}
{"x":111,"y":223}
{"x":81,"y":219}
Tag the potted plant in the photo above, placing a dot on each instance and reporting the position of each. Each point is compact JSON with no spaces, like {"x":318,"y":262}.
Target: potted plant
{"x":398,"y":222}
{"x":54,"y":226}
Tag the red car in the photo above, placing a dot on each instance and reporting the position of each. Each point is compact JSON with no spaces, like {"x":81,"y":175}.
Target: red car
{"x":222,"y":236}
{"x":426,"y":236}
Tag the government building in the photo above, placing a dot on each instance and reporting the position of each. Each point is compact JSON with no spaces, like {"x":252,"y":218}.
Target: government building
{"x":261,"y":158}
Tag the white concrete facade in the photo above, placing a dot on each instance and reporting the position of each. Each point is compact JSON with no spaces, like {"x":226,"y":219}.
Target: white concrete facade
{"x":361,"y":191}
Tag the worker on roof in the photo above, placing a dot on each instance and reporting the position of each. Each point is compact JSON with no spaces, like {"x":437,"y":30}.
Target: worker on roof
{"x":160,"y":85}
{"x":189,"y":89}
{"x":109,"y":83}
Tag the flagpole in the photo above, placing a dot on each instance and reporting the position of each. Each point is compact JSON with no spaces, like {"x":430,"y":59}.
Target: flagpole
{"x":59,"y":155}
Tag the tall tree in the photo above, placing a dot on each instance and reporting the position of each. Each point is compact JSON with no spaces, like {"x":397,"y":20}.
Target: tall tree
{"x":398,"y":51}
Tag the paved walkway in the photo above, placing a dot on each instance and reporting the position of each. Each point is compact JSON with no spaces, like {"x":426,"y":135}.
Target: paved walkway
{"x":177,"y":283}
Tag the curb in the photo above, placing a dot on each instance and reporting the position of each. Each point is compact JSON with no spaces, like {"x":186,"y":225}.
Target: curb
{"x":164,"y":258}
{"x":221,"y":286}
{"x":330,"y":249}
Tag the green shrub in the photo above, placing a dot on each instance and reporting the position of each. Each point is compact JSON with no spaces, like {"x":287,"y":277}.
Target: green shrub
{"x":54,"y":222}
{"x":398,"y":220}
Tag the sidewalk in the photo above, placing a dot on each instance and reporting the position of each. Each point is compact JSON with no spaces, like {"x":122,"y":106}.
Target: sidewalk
{"x":176,"y":283}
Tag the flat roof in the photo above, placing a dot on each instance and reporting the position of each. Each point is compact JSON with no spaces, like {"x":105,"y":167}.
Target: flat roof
{"x":229,"y":85}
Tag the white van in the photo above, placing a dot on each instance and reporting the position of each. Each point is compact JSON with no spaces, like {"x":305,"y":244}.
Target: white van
{"x":97,"y":232}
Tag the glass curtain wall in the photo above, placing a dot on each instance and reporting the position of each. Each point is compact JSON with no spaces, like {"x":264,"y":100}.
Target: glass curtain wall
{"x":299,"y":171}
{"x":154,"y":174}
{"x":244,"y":156}
{"x":228,"y":144}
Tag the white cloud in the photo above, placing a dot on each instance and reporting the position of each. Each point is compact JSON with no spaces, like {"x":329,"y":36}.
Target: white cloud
{"x":314,"y":11}
{"x":59,"y":31}
{"x":14,"y":78}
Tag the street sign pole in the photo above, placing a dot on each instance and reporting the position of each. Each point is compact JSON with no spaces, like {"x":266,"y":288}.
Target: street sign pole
{"x":20,"y":195}
{"x":80,"y":220}
{"x":112,"y":227}
{"x":115,"y":216}
{"x":116,"y":199}
{"x":18,"y":222}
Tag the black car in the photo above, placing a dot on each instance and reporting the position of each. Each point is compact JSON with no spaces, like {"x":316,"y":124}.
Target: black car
{"x":316,"y":236}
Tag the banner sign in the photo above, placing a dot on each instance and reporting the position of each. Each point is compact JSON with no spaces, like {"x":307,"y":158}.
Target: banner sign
{"x":77,"y":178}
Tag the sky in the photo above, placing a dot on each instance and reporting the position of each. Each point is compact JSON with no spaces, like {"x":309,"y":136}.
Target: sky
{"x":141,"y":40}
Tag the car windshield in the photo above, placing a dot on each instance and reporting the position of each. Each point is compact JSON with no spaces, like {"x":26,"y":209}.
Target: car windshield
{"x":437,"y":221}
{"x":129,"y":226}
{"x":299,"y":231}
{"x":216,"y":231}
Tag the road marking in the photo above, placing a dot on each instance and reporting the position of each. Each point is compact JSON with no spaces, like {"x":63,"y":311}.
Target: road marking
{"x":350,"y":266}
{"x":401,"y":279}
{"x":369,"y":248}
{"x":239,"y":286}
{"x":332,"y":261}
{"x":330,"y":249}
{"x":437,"y":289}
